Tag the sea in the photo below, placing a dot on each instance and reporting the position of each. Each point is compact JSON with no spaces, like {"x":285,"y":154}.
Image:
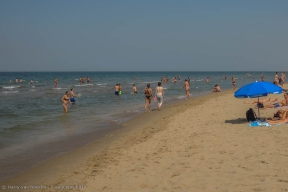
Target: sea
{"x":34,"y":127}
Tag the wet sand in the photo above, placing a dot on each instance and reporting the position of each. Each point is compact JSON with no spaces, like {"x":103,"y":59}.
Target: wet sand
{"x":204,"y":144}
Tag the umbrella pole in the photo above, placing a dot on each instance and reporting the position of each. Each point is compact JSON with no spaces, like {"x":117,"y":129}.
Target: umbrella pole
{"x":258,"y":109}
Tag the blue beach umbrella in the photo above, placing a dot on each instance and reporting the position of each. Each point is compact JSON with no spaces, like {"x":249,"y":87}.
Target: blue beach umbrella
{"x":257,"y":89}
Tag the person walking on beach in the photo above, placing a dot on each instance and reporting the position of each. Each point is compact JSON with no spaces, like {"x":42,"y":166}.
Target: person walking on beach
{"x":282,"y":79}
{"x":159,"y":94}
{"x":276,"y":79}
{"x":233,"y":82}
{"x":134,"y":89}
{"x":65,"y":100}
{"x":148,"y":95}
{"x":187,"y":88}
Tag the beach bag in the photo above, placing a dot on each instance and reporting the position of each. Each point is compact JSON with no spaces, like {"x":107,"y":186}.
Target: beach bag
{"x":251,"y":115}
{"x":147,"y":92}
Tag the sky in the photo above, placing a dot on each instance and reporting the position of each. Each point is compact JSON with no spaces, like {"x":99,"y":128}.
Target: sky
{"x":143,"y":35}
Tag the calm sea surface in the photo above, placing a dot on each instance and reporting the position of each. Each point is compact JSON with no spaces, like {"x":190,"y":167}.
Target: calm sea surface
{"x":33,"y":126}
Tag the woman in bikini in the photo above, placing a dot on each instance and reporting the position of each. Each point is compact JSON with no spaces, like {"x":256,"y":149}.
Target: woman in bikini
{"x":148,"y":95}
{"x":187,"y":88}
{"x":65,"y":100}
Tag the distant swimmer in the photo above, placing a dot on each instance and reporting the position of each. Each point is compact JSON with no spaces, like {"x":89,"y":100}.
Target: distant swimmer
{"x":21,"y":80}
{"x":88,"y":80}
{"x":80,"y":80}
{"x":16,"y":80}
{"x":233,"y":82}
{"x":187,"y":89}
{"x":178,"y":77}
{"x":207,"y":80}
{"x":72,"y":95}
{"x":134,"y":89}
{"x":65,"y":100}
{"x":225,"y":77}
{"x":56,"y":82}
{"x":116,"y":87}
{"x":262,"y":78}
{"x":31,"y":81}
{"x":11,"y":82}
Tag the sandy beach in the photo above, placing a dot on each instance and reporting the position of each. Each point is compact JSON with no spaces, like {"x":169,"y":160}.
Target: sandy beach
{"x":203,"y":144}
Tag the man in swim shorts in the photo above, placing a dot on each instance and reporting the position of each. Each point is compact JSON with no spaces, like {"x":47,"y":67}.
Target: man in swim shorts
{"x":72,"y":95}
{"x":116,"y":89}
{"x":159,"y":94}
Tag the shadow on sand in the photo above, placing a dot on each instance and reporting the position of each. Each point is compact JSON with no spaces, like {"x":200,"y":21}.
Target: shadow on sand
{"x":237,"y":121}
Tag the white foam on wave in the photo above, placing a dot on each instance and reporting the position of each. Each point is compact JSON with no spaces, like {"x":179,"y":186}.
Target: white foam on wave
{"x":58,"y":88}
{"x":83,"y":85}
{"x":181,"y":97}
{"x":151,"y":82}
{"x":101,"y":84}
{"x":10,"y":91}
{"x":10,"y":87}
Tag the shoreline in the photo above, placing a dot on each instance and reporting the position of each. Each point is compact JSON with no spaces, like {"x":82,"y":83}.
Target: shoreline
{"x":100,"y":143}
{"x":202,"y":144}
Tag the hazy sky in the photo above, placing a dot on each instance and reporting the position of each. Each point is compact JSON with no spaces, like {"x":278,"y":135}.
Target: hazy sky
{"x":143,"y":35}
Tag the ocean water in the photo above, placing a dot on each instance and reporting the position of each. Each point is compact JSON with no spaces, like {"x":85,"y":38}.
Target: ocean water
{"x":34,"y":127}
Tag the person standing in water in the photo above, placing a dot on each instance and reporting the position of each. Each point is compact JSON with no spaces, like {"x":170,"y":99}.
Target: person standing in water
{"x":65,"y":100}
{"x":148,"y":95}
{"x":56,"y":82}
{"x":159,"y":94}
{"x":72,"y":95}
{"x":207,"y":80}
{"x":116,"y":87}
{"x":120,"y":89}
{"x":134,"y":89}
{"x":187,"y":88}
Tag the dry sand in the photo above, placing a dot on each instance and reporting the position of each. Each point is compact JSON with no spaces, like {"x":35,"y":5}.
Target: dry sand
{"x":204,"y":144}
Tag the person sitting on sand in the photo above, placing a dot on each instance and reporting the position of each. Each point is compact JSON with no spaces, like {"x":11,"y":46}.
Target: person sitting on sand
{"x":216,"y":88}
{"x":283,"y":117}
